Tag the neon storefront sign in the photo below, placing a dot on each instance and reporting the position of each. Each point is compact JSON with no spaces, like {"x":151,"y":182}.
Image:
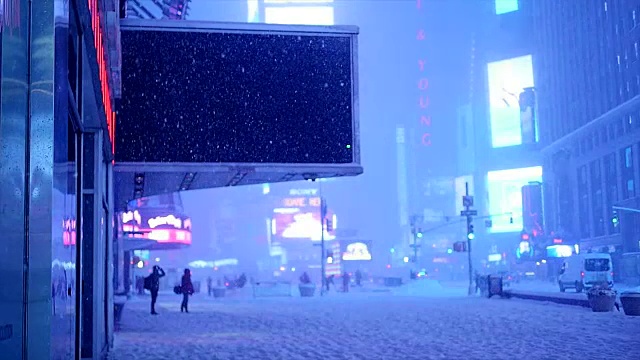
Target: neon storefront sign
{"x":69,"y":232}
{"x":168,"y":229}
{"x":98,"y":40}
{"x":165,"y":220}
{"x":130,"y":216}
{"x":424,"y":101}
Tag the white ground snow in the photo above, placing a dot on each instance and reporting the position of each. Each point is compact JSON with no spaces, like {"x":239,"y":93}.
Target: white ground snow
{"x":373,"y":325}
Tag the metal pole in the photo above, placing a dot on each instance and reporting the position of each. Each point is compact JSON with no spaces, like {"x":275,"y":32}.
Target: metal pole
{"x":626,"y":209}
{"x":323,"y":215}
{"x":415,"y":247}
{"x":469,"y":219}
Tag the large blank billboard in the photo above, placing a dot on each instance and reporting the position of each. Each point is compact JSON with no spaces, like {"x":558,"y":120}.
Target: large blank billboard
{"x":237,"y":93}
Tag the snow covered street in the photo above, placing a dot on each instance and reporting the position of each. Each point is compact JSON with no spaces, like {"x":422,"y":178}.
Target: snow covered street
{"x":371,"y":325}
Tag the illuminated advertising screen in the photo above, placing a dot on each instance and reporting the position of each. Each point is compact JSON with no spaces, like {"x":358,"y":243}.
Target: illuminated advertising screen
{"x":508,"y":80}
{"x":166,"y":229}
{"x":357,"y":251}
{"x":200,"y":93}
{"x":298,"y":217}
{"x":506,"y":6}
{"x":558,"y":251}
{"x":505,"y":196}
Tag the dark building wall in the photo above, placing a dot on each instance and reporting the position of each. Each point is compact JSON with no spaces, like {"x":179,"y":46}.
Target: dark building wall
{"x":40,"y":137}
{"x":588,"y":80}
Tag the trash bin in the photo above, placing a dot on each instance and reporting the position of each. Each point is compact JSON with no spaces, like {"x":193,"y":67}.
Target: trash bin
{"x":219,"y":292}
{"x":307,"y":290}
{"x":630,"y":302}
{"x":118,"y":306}
{"x":494,"y":285}
{"x":601,"y":299}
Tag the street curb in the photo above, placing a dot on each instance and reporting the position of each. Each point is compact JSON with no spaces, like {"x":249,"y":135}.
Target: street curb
{"x":555,"y":299}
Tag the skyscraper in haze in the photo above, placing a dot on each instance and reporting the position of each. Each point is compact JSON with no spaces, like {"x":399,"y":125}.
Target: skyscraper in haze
{"x":587,"y":73}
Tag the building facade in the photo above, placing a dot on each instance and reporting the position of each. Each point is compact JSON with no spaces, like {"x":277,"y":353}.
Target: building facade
{"x":55,"y":162}
{"x":498,"y":140}
{"x":588,"y":70}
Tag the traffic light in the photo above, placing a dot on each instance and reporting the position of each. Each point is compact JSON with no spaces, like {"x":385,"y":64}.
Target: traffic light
{"x":470,"y":233}
{"x":329,"y":225}
{"x":615,"y":220}
{"x":419,"y":234}
{"x":460,"y":246}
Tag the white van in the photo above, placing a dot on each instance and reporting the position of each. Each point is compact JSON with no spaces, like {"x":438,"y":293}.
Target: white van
{"x":582,"y":271}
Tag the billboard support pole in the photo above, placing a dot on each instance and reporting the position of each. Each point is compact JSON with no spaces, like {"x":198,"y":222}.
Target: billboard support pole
{"x":323,"y":215}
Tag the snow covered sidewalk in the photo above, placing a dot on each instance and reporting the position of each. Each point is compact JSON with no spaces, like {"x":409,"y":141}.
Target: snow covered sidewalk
{"x":372,"y":326}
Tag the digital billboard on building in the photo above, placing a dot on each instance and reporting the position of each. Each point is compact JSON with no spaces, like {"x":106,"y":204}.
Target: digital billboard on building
{"x":510,"y":82}
{"x":504,"y":188}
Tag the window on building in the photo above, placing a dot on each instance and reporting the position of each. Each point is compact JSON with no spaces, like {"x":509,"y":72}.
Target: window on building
{"x":628,"y":124}
{"x":611,"y":189}
{"x":583,"y":203}
{"x":620,"y":127}
{"x":628,"y":157}
{"x":597,"y":198}
{"x":627,"y":173}
{"x":299,"y":12}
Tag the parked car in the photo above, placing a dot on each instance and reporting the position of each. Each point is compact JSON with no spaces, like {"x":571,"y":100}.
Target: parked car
{"x":583,"y":271}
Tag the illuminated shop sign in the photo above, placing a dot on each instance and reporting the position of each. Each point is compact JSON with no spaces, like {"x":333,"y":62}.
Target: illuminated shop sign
{"x":97,"y":25}
{"x":303,"y":192}
{"x":524,"y":250}
{"x":301,"y":202}
{"x":69,"y":232}
{"x":423,"y":85}
{"x":357,"y":251}
{"x":165,"y":220}
{"x":163,"y":228}
{"x":558,"y":251}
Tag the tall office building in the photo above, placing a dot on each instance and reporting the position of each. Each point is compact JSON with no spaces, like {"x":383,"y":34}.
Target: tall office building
{"x":587,"y":71}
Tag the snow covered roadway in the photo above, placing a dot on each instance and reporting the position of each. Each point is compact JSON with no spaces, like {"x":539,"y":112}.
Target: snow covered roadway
{"x":367,"y":325}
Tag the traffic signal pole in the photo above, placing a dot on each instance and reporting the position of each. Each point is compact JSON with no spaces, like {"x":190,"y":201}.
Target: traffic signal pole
{"x":468,"y":212}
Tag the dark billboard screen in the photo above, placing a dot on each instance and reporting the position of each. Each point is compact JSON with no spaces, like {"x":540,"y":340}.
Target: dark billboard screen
{"x":233,"y":97}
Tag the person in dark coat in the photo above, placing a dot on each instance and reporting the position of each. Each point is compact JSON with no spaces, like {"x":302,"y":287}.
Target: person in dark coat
{"x":346,"y":278}
{"x":187,"y":290}
{"x":358,"y":278}
{"x":209,"y":286}
{"x":155,"y":276}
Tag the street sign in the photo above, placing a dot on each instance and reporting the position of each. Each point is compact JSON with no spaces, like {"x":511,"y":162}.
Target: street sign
{"x":467,"y":200}
{"x":468,"y":212}
{"x":460,"y":246}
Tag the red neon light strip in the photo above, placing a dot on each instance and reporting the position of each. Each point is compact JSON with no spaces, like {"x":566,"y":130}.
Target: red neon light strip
{"x":423,"y":86}
{"x":98,"y":39}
